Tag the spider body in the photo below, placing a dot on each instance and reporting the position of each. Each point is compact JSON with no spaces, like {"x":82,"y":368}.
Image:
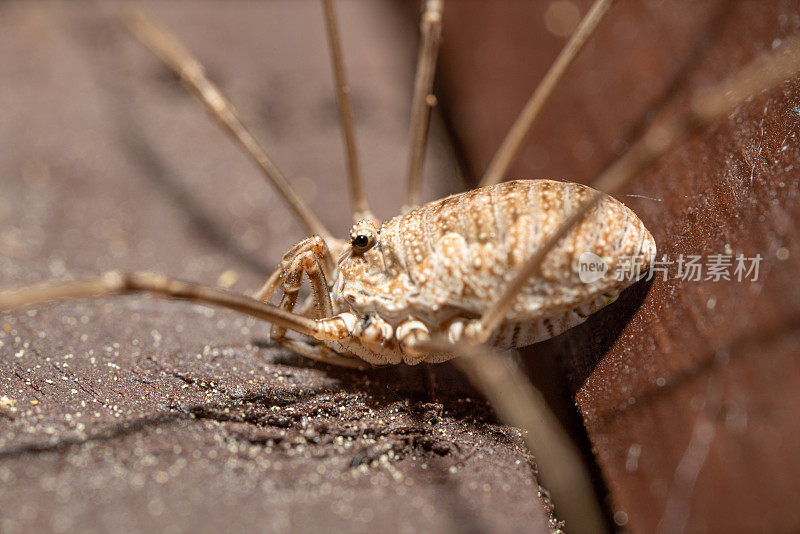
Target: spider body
{"x":438,"y":268}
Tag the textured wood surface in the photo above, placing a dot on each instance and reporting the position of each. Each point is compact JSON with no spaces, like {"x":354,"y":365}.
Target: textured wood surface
{"x":688,"y":390}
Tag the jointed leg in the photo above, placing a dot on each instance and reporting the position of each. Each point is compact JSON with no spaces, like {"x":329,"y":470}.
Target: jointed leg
{"x":307,"y":257}
{"x":373,"y":334}
{"x":315,"y":244}
{"x":431,"y":28}
{"x":358,"y":198}
{"x":411,"y":335}
{"x":522,"y":126}
{"x":270,"y":286}
{"x":518,"y":403}
{"x":321,"y":353}
{"x":310,"y":262}
{"x":291,"y":287}
{"x":173,"y":53}
{"x":114,"y":283}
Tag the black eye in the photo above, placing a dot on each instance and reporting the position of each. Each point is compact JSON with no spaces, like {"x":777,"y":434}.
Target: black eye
{"x":360,"y":241}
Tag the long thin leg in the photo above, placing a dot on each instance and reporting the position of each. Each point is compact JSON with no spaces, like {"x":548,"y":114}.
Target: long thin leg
{"x":509,"y":149}
{"x":321,"y":353}
{"x":706,"y":105}
{"x":270,"y":286}
{"x":192,"y":73}
{"x":518,"y":403}
{"x":114,"y":283}
{"x":431,"y":29}
{"x":311,"y":263}
{"x":291,"y":288}
{"x":358,"y":197}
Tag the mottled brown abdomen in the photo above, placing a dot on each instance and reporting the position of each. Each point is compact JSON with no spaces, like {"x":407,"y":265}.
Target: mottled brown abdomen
{"x":460,"y":252}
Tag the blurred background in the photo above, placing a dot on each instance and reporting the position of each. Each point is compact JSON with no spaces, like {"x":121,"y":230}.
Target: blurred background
{"x":684,"y":396}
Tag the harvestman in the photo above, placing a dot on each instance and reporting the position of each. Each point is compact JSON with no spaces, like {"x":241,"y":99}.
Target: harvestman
{"x":432,"y":284}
